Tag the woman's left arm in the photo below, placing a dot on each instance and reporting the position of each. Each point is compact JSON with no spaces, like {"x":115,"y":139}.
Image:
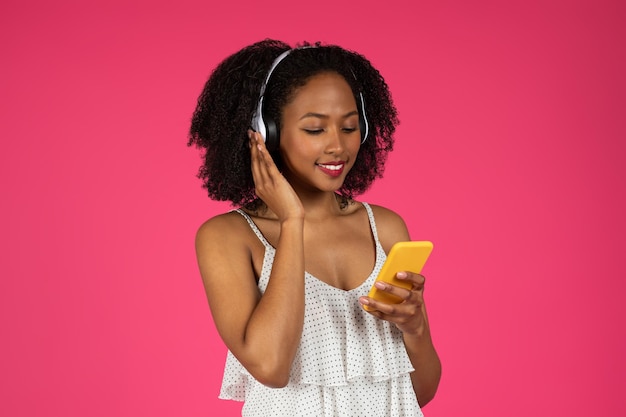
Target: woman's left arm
{"x":409,"y":316}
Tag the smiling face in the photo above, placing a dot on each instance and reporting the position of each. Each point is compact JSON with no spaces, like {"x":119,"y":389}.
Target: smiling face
{"x":319,"y":136}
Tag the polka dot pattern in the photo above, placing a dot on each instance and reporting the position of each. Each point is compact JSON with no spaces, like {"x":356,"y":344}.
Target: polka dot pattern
{"x":349,"y":363}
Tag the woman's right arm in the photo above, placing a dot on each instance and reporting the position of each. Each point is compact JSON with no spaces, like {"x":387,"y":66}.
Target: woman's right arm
{"x":262,"y":332}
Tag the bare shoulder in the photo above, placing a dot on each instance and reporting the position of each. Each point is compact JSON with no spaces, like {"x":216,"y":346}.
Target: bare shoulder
{"x":388,"y":219}
{"x":226,"y":249}
{"x":390,"y":226}
{"x":228,"y":230}
{"x":225,"y":254}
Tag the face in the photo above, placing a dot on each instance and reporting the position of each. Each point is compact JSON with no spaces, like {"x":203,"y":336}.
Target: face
{"x":320,"y":137}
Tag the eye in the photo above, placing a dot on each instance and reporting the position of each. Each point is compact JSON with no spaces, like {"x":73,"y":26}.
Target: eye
{"x":313,"y":131}
{"x":349,"y":129}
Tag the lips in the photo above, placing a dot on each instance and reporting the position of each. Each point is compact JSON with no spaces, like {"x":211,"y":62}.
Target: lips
{"x":333,"y":169}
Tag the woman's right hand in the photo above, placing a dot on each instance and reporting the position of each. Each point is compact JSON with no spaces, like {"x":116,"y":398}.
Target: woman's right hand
{"x":270,"y":185}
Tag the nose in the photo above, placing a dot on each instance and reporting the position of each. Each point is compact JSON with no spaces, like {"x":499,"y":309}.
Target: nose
{"x":335,"y":141}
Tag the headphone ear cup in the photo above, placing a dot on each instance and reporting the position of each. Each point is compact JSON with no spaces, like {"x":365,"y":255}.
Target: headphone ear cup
{"x":272,"y":139}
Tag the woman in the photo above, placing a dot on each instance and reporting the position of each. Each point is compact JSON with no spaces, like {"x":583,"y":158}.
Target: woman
{"x":291,"y":136}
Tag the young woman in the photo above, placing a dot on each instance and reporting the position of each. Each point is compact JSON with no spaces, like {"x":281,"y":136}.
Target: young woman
{"x":290,"y":136}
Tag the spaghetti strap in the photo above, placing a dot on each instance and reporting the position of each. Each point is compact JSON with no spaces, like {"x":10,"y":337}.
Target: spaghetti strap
{"x":254,"y":228}
{"x":370,"y":214}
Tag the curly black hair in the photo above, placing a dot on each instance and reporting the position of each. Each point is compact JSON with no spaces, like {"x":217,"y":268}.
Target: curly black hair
{"x":230,"y":97}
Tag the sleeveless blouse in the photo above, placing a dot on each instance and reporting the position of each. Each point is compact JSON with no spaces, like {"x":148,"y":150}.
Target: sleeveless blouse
{"x":348,"y":363}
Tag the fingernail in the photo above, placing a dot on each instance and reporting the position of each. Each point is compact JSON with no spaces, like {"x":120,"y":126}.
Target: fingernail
{"x":380,"y":285}
{"x":401,"y":275}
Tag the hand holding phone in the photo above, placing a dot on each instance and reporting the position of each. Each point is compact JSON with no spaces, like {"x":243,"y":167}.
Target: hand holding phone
{"x":403,"y":256}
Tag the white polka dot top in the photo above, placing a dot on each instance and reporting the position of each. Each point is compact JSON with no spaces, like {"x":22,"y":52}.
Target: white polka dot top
{"x":349,"y":363}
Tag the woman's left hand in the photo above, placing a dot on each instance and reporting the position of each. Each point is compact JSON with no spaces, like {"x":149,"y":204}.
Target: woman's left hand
{"x":409,"y":315}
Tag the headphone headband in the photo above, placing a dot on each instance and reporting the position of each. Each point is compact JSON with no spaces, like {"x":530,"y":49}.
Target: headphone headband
{"x":268,"y":129}
{"x":258,"y":124}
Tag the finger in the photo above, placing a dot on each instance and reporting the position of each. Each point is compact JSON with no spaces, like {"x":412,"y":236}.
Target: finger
{"x":417,"y":280}
{"x":262,"y":159}
{"x":266,"y":157}
{"x":261,"y":154}
{"x":370,"y":305}
{"x":399,"y":292}
{"x":379,"y":309}
{"x":255,"y":158}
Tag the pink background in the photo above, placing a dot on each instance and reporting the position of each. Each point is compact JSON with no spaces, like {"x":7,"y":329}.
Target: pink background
{"x":510,"y":157}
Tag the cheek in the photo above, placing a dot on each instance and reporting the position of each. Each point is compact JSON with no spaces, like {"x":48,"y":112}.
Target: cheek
{"x":292,"y":156}
{"x":300,"y":146}
{"x":354,"y":147}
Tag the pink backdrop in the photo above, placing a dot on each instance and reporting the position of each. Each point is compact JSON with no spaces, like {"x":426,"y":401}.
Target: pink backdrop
{"x":510,"y":157}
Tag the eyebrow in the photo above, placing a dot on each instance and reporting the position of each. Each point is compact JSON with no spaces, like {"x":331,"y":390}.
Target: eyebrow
{"x":325,"y":116}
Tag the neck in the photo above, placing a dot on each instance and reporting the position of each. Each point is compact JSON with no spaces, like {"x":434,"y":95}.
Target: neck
{"x":317,"y":206}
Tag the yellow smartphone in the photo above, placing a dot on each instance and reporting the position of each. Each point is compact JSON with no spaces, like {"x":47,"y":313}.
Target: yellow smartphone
{"x":403,"y":256}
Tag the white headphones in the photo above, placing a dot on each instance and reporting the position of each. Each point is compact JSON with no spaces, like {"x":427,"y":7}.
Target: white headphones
{"x":268,"y":128}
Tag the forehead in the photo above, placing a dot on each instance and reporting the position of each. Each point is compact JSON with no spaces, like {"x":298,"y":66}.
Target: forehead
{"x":326,"y":88}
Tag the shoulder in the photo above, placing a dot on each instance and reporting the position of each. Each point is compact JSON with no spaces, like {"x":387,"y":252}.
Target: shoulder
{"x":225,"y":230}
{"x":388,"y":219}
{"x":390,"y":226}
